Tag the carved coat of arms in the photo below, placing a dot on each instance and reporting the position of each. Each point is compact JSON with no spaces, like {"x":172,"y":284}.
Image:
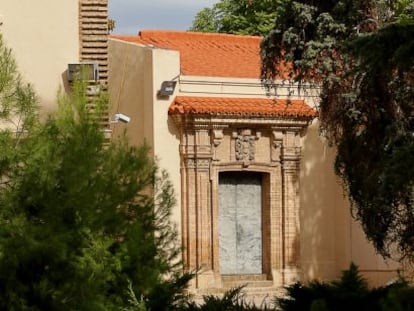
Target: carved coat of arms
{"x":245,"y":146}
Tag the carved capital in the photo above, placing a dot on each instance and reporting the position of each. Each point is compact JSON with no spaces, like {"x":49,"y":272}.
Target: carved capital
{"x":277,"y":144}
{"x":203,"y":163}
{"x":200,"y":163}
{"x":189,"y":163}
{"x":277,"y":139}
{"x":291,"y":153}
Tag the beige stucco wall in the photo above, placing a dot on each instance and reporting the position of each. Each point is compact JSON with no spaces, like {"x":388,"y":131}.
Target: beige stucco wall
{"x":321,"y":201}
{"x":166,"y":67}
{"x":44,"y":36}
{"x":130,"y":90}
{"x":329,"y":238}
{"x":135,"y":77}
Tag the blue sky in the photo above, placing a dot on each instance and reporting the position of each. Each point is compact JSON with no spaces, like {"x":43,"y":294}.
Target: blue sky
{"x":134,"y":15}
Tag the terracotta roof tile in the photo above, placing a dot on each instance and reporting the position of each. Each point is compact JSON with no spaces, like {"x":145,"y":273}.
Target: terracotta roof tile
{"x":241,"y":106}
{"x":207,"y":54}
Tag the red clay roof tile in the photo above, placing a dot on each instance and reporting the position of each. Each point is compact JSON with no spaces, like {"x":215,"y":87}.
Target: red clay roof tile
{"x":241,"y":106}
{"x":207,"y":54}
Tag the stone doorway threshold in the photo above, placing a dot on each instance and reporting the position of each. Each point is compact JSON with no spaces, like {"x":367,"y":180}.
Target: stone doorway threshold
{"x":246,"y":280}
{"x":257,"y":289}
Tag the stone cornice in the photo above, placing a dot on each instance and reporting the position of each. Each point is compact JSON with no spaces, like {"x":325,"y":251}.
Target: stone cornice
{"x":209,"y":121}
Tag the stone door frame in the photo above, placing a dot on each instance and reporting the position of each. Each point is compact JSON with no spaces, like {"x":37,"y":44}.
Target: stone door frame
{"x":242,"y":212}
{"x":267,"y":242}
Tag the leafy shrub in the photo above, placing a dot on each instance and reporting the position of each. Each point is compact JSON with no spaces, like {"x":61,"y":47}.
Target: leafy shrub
{"x":350,"y":292}
{"x":399,"y":298}
{"x":84,"y":223}
{"x":232,"y":300}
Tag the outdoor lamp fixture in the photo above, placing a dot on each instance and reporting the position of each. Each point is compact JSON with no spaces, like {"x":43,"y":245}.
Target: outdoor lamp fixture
{"x":120,"y":117}
{"x":167,"y":88}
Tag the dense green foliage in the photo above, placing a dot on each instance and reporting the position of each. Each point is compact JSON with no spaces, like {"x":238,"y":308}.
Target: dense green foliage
{"x":232,"y":300}
{"x":350,"y":292}
{"x":361,"y":54}
{"x":243,"y":17}
{"x":84,"y":223}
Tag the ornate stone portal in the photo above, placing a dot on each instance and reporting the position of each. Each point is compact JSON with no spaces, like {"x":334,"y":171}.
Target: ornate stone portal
{"x":213,"y":146}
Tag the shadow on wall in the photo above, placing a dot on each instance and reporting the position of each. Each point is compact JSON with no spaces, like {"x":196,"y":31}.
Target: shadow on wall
{"x":324,"y":215}
{"x":65,"y":82}
{"x":330,"y":238}
{"x":173,"y":129}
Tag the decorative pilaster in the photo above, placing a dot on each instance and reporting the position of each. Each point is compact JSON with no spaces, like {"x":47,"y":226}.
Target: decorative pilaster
{"x":290,"y":158}
{"x":197,"y":153}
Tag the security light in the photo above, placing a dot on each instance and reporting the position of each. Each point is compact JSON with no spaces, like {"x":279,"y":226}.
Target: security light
{"x":167,"y":88}
{"x":120,"y":117}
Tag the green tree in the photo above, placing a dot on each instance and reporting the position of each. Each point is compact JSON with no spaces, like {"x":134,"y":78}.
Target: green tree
{"x":244,"y":17}
{"x":84,"y":223}
{"x":361,"y":53}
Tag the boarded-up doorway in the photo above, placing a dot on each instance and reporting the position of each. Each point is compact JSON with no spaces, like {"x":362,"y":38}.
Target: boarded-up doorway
{"x":240,"y":223}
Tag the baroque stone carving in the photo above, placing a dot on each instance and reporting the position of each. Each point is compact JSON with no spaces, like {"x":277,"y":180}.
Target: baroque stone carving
{"x":245,"y":146}
{"x":203,"y":163}
{"x":217,"y":137}
{"x":190,"y":163}
{"x":277,"y":139}
{"x":277,"y":144}
{"x":197,"y":163}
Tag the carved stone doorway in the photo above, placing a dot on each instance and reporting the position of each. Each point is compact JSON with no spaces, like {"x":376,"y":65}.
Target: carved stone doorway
{"x":254,"y":150}
{"x":240,"y":223}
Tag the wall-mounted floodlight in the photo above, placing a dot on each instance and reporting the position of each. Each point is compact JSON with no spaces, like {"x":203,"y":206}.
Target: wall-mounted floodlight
{"x":120,"y":117}
{"x":167,"y":88}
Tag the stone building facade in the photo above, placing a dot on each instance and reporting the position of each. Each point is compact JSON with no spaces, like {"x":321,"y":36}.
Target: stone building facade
{"x":258,"y":202}
{"x":223,"y":140}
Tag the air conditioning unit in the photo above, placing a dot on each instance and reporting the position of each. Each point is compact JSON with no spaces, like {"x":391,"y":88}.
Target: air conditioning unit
{"x":84,"y":71}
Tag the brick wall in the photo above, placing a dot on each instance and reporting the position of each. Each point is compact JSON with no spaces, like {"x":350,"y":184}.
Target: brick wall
{"x":93,"y":32}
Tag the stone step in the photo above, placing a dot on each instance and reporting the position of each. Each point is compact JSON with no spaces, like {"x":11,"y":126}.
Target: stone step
{"x":244,"y":277}
{"x":248,"y":283}
{"x":259,"y":296}
{"x":249,"y":280}
{"x":248,"y":291}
